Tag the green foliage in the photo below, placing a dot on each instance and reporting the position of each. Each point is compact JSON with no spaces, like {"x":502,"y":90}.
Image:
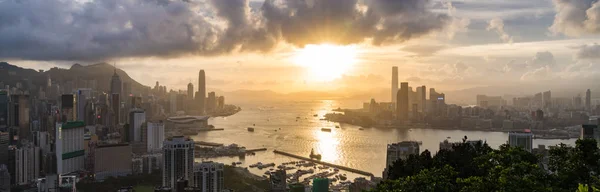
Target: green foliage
{"x":477,"y":167}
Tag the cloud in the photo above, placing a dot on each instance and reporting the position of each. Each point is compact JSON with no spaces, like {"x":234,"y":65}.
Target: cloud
{"x":423,"y":49}
{"x":588,"y":52}
{"x":497,"y":25}
{"x":542,"y":59}
{"x":542,"y":73}
{"x":105,"y":29}
{"x":361,"y":80}
{"x":576,"y":17}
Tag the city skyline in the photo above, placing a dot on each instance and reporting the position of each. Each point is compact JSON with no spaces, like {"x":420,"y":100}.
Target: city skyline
{"x":533,"y":42}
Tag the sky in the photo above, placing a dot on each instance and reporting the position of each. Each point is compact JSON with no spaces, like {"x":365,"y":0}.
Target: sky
{"x":299,"y":45}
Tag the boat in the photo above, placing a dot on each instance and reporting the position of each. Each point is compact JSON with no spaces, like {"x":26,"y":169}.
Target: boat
{"x":315,"y":115}
{"x":251,"y":129}
{"x":326,"y":129}
{"x":337,"y":126}
{"x":238,"y":163}
{"x":361,"y":129}
{"x":343,"y":177}
{"x":314,"y":156}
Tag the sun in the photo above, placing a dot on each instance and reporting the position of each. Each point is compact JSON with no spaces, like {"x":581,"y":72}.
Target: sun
{"x":326,"y":62}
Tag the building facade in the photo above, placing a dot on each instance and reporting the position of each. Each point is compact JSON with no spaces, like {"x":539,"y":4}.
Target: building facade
{"x":27,"y":164}
{"x":178,"y":161}
{"x":208,"y":176}
{"x":156,"y":136}
{"x":70,"y":147}
{"x":521,"y":139}
{"x":112,"y":160}
{"x":400,"y":150}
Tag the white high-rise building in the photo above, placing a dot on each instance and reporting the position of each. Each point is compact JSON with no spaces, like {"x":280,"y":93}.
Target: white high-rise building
{"x":521,"y":139}
{"x":137,"y":117}
{"x":27,"y":164}
{"x":178,"y":161}
{"x":208,"y":176}
{"x":69,"y":147}
{"x":156,"y":136}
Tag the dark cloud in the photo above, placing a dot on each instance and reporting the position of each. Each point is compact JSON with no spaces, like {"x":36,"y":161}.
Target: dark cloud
{"x":588,"y":52}
{"x":424,"y":50}
{"x":576,"y":17}
{"x":104,"y":29}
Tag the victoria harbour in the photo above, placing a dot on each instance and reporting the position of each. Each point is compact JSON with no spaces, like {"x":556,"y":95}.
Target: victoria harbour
{"x":292,"y":126}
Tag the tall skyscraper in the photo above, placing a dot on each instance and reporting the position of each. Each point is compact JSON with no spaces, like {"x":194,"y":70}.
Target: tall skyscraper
{"x":200,"y":97}
{"x":137,"y":117}
{"x":178,"y":157}
{"x":208,"y":176}
{"x":402,"y":102}
{"x":81,"y":97}
{"x":547,"y":99}
{"x":4,"y":101}
{"x":190,"y":91}
{"x":424,"y":99}
{"x":211,"y":102}
{"x":394,"y":84}
{"x":588,"y":100}
{"x":27,"y":164}
{"x":115,"y":84}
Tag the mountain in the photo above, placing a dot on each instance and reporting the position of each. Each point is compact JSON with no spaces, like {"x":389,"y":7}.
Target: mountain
{"x":77,"y":76}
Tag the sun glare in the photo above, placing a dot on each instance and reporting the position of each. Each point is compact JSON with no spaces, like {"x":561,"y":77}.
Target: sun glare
{"x":325,"y":61}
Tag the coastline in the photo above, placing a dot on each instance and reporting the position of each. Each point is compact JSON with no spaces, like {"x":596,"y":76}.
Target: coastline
{"x":229,"y":110}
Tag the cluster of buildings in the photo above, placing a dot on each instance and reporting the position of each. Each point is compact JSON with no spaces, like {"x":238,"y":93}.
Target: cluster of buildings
{"x":52,"y":134}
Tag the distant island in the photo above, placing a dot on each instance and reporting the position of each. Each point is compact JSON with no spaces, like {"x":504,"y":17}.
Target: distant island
{"x":228,"y":110}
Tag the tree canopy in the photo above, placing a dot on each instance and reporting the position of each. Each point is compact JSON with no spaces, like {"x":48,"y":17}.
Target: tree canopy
{"x":477,"y":167}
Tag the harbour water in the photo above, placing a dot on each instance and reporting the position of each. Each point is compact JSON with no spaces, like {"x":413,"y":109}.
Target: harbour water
{"x":293,"y":127}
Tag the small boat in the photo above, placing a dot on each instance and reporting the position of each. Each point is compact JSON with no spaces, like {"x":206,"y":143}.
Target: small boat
{"x":238,"y":163}
{"x":232,"y":163}
{"x":361,"y":129}
{"x":326,"y":129}
{"x":337,"y":126}
{"x":315,"y":115}
{"x":251,"y":129}
{"x":314,"y":156}
{"x":343,"y":177}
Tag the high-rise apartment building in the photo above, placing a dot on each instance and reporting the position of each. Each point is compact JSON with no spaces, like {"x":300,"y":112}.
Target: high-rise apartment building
{"x":69,"y":147}
{"x":394,"y":84}
{"x":547,"y":99}
{"x":4,"y":102}
{"x":137,"y":117}
{"x":156,"y":136}
{"x":178,"y":157}
{"x":190,"y":91}
{"x":521,"y":139}
{"x":27,"y":164}
{"x":4,"y":142}
{"x":208,"y":176}
{"x":400,"y":150}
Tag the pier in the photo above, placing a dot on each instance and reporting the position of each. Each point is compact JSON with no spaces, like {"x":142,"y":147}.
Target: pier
{"x":255,"y":150}
{"x":211,"y":144}
{"x":324,"y":163}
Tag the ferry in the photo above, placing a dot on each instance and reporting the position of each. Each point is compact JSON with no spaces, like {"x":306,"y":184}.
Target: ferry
{"x":251,"y":129}
{"x":314,"y":156}
{"x":326,"y":129}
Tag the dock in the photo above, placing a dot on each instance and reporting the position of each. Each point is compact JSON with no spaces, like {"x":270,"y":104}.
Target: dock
{"x":211,"y":144}
{"x":324,"y":163}
{"x":255,"y":150}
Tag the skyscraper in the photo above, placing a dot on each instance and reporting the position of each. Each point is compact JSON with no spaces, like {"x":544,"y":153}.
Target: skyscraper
{"x":200,"y":97}
{"x":115,"y":84}
{"x":208,"y":176}
{"x":424,"y":99}
{"x":178,"y":157}
{"x":81,"y":98}
{"x":521,"y":139}
{"x":137,"y":117}
{"x":190,"y":91}
{"x":588,"y":100}
{"x":547,"y":99}
{"x":402,"y":102}
{"x":394,"y":84}
{"x":211,"y":102}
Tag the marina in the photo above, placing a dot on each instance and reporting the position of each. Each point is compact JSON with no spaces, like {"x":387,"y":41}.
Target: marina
{"x":324,"y":163}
